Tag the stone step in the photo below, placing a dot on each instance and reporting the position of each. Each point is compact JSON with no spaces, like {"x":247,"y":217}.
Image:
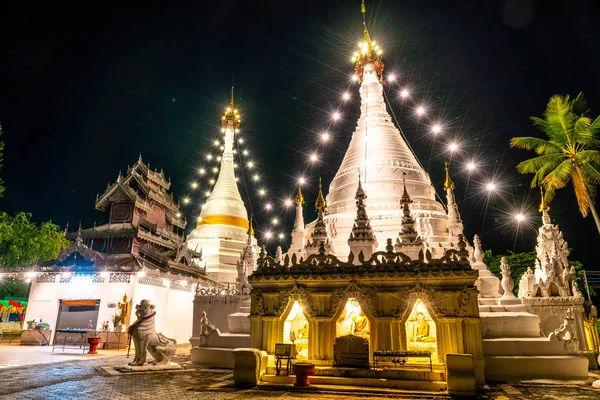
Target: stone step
{"x":245,"y":310}
{"x":519,"y":368}
{"x":522,"y":346}
{"x":412,"y":373}
{"x":509,"y":325}
{"x":422,"y":386}
{"x":493,"y":306}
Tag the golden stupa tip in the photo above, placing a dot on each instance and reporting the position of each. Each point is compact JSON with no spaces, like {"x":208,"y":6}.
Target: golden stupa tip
{"x":320,"y":204}
{"x":543,"y":205}
{"x":299,"y":196}
{"x":250,"y":227}
{"x":448,"y":184}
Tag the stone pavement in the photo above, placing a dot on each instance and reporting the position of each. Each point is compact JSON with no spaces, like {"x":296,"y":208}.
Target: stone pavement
{"x":17,"y":356}
{"x":86,"y":379}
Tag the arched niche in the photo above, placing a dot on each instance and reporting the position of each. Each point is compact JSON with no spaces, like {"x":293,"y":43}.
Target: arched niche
{"x":353,"y":321}
{"x":296,"y":329}
{"x":421,"y":330}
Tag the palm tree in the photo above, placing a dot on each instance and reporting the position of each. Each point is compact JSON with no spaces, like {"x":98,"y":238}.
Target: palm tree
{"x":569,"y":155}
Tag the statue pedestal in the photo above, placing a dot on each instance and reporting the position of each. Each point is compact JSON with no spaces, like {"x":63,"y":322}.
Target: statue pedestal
{"x":150,"y":367}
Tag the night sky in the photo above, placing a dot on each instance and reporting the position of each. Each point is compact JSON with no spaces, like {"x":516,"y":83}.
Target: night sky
{"x":85,"y":90}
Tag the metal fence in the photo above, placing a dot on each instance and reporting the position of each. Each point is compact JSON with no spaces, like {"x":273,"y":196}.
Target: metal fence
{"x":591,"y":279}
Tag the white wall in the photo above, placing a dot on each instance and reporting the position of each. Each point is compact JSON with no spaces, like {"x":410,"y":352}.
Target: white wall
{"x":43,"y":298}
{"x":173,"y":308}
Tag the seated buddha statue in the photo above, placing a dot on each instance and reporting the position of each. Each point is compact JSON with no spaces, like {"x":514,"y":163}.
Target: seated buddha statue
{"x":303,"y":332}
{"x":421,"y":330}
{"x":360,"y":325}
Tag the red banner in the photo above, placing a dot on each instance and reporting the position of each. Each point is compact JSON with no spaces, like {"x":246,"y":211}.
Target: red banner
{"x":73,"y":303}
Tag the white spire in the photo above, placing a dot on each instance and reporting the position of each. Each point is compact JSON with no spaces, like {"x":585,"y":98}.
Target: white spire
{"x":225,"y":206}
{"x":298,"y":238}
{"x":455,"y":225}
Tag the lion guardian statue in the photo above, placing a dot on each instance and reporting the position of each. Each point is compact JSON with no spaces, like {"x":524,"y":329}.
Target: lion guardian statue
{"x":145,"y":338}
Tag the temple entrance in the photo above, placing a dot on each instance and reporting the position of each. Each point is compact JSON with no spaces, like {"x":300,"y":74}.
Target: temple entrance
{"x":421,"y":334}
{"x":295,"y":330}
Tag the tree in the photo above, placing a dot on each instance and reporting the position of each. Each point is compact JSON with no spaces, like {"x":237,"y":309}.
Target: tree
{"x":569,"y":155}
{"x":24,"y":242}
{"x":1,"y":162}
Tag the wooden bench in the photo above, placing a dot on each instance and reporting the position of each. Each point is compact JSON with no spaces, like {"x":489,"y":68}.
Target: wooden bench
{"x":399,"y":357}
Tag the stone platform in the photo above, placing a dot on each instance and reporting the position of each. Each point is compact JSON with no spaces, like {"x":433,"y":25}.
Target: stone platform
{"x":213,"y":357}
{"x":408,"y":378}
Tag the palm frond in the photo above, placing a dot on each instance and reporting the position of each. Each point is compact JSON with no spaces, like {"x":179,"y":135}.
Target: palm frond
{"x":534,"y":164}
{"x":544,"y":170}
{"x":591,"y":174}
{"x":588,"y":156}
{"x":579,"y":105}
{"x":540,"y":146}
{"x":560,"y":176}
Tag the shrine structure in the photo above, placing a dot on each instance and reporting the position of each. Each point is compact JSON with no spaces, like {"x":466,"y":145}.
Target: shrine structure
{"x":139,"y":253}
{"x":385,"y":282}
{"x":221,"y":228}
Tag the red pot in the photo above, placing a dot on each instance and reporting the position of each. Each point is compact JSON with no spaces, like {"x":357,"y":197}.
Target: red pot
{"x":94,"y":342}
{"x":303,"y":370}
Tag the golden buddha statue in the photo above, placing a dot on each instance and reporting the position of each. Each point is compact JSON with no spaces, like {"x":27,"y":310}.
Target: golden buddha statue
{"x":421,"y":330}
{"x":124,"y":307}
{"x":303,"y":332}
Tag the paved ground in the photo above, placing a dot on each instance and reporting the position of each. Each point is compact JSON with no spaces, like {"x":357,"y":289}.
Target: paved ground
{"x":17,"y":356}
{"x":86,"y":379}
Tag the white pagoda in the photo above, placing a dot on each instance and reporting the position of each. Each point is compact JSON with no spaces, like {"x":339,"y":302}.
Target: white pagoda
{"x":378,"y":153}
{"x":222,"y":228}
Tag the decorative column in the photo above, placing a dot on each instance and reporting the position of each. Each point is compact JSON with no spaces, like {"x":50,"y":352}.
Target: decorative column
{"x":319,"y":235}
{"x":507,"y":284}
{"x":362,"y":239}
{"x":408,"y":242}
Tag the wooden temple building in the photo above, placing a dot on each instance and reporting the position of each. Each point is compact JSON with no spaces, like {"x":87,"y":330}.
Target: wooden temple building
{"x":140,"y":253}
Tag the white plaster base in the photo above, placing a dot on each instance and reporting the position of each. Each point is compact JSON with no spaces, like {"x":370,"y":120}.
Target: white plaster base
{"x":518,"y":368}
{"x":150,"y":367}
{"x":487,"y":284}
{"x":212,"y":357}
{"x":509,"y":324}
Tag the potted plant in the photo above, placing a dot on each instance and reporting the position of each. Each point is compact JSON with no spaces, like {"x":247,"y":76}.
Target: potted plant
{"x":43,"y":326}
{"x":31,"y":324}
{"x":116,"y":320}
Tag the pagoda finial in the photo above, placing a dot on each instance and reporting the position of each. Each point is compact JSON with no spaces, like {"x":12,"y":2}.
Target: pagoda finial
{"x":363,"y":10}
{"x":231,"y":117}
{"x":250,"y":227}
{"x":299,"y":196}
{"x":543,"y":205}
{"x":140,"y":161}
{"x":368,"y":51}
{"x":320,"y":204}
{"x":405,"y":199}
{"x":448,"y":184}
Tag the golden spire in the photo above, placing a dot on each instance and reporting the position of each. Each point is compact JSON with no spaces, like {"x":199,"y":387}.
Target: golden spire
{"x":363,"y":10}
{"x":320,"y":204}
{"x":299,"y":196}
{"x":368,"y":51}
{"x":250,"y":228}
{"x":231,"y":117}
{"x":448,"y":184}
{"x":543,"y":205}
